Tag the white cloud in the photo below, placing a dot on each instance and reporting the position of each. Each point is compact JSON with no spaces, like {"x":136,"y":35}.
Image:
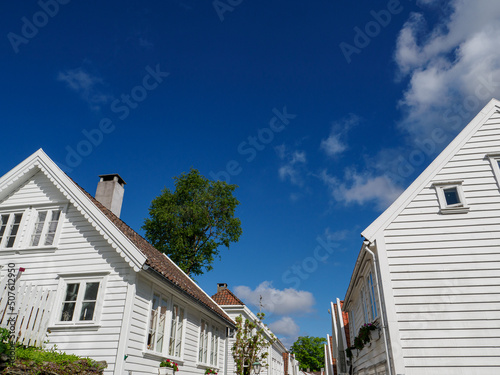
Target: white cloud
{"x":286,"y":326}
{"x":280,"y":302}
{"x":362,"y":188}
{"x":293,"y":167}
{"x":286,"y":330}
{"x":333,"y":144}
{"x":86,"y":85}
{"x":453,"y":66}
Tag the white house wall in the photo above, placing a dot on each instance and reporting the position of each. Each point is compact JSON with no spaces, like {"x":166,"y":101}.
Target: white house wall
{"x":140,"y":363}
{"x":80,"y":249}
{"x":373,"y":356}
{"x":445,"y":269}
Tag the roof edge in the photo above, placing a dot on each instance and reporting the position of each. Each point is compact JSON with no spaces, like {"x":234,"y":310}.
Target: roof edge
{"x":71,"y":191}
{"x":411,"y":191}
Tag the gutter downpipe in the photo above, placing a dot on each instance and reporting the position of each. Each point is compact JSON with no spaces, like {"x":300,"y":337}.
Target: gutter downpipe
{"x":382,"y":315}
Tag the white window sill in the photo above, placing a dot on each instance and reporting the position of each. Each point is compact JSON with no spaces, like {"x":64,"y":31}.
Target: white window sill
{"x":206,"y":365}
{"x":161,"y":357}
{"x":74,"y":327}
{"x":29,"y":250}
{"x":454,"y":210}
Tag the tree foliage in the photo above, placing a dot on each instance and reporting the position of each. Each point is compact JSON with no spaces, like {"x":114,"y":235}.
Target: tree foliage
{"x":310,"y":352}
{"x":190,"y":223}
{"x":250,"y":344}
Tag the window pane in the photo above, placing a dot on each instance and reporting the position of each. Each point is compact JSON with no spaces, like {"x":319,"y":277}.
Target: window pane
{"x":87,"y":311}
{"x":202,"y":341}
{"x":180,"y":322}
{"x":173,"y":329}
{"x":13,"y":229}
{"x":451,"y":195}
{"x":67,"y":311}
{"x":51,"y":232}
{"x":37,"y":232}
{"x":72,"y":292}
{"x":91,"y":290}
{"x":3,"y":224}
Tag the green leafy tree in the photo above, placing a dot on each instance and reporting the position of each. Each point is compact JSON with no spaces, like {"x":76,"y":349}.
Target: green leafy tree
{"x":250,"y":344}
{"x":310,"y":352}
{"x":190,"y":223}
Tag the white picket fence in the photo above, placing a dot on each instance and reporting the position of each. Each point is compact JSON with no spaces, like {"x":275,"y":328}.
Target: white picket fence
{"x":32,"y":305}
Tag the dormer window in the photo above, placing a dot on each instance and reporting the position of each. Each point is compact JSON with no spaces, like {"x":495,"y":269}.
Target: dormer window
{"x":451,"y":197}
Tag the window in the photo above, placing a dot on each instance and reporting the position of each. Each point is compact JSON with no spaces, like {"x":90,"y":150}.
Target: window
{"x":451,"y":197}
{"x":45,"y":227}
{"x":364,"y":303}
{"x":371,"y":291}
{"x":41,"y":226}
{"x":495,"y":165}
{"x":80,"y":301}
{"x":9,"y":228}
{"x":352,"y":328}
{"x":208,"y":352}
{"x":176,"y":331}
{"x":157,"y":322}
{"x":166,"y":326}
{"x":214,"y":346}
{"x":202,"y":355}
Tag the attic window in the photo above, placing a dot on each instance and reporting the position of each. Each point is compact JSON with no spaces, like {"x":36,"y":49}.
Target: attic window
{"x":451,"y":197}
{"x":495,"y":165}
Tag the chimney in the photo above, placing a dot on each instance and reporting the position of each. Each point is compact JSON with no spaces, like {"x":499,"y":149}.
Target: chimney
{"x":221,"y":286}
{"x":110,"y":191}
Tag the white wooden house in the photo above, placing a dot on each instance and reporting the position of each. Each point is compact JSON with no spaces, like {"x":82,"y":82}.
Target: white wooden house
{"x":116,"y":298}
{"x":428,"y":272}
{"x":277,"y":353}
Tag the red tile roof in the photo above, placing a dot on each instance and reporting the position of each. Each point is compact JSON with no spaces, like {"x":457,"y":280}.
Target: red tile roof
{"x":162,"y":264}
{"x":226,"y":297}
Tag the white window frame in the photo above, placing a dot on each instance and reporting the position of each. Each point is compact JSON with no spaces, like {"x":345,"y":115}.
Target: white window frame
{"x":352,"y":328}
{"x":371,"y":292}
{"x":208,"y":356}
{"x":178,"y":339}
{"x":167,"y":328}
{"x":494,"y":159}
{"x":364,"y":306}
{"x":82,"y":279}
{"x":24,"y":235}
{"x":445,"y":208}
{"x":8,"y":228}
{"x":45,"y":226}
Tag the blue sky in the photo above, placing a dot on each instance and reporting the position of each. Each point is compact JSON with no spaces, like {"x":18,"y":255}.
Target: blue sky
{"x":321,"y":113}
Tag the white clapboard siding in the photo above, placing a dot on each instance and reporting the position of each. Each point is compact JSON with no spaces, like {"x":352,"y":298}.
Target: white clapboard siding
{"x":37,"y":190}
{"x":445,"y":269}
{"x":80,"y":250}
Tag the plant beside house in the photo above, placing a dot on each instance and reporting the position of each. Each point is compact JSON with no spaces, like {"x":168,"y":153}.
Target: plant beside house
{"x":168,"y":367}
{"x":32,"y":361}
{"x":210,"y":371}
{"x":362,"y":339}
